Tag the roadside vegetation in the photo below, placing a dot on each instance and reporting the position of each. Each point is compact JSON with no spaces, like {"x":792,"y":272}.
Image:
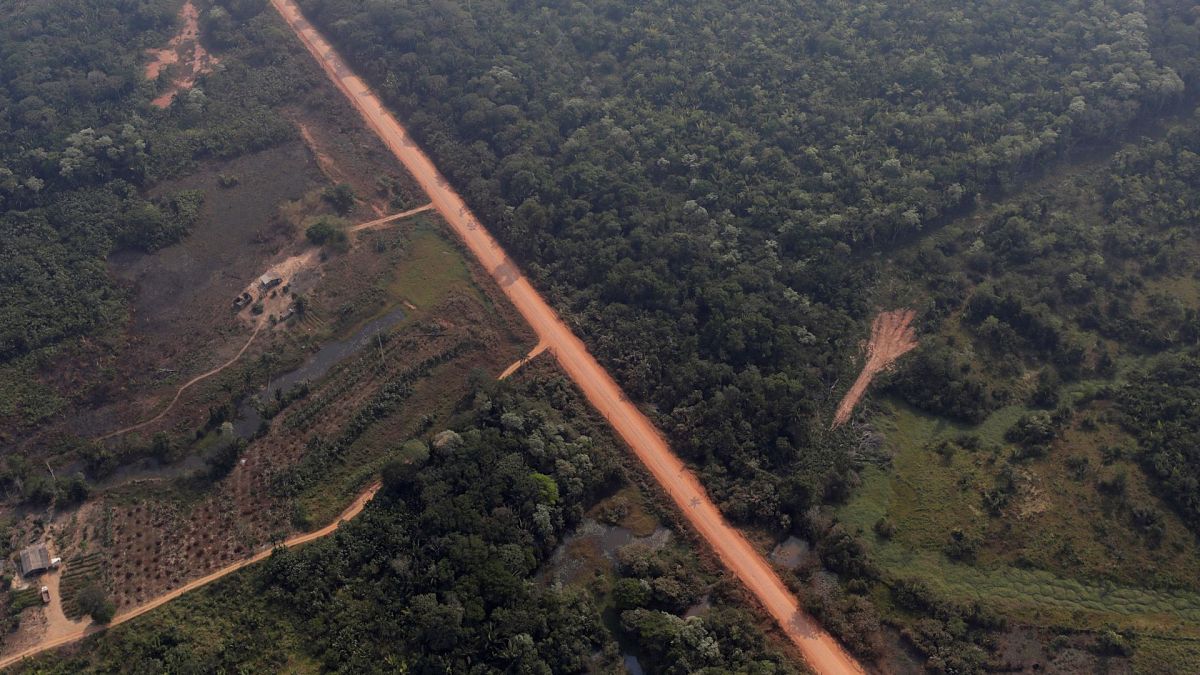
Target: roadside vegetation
{"x":443,"y":564}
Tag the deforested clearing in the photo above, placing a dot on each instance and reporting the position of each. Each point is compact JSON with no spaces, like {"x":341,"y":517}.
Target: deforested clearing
{"x":891,"y":337}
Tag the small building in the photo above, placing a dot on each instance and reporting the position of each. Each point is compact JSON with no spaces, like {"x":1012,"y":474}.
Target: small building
{"x":34,"y":560}
{"x":242,"y":300}
{"x":269,"y":280}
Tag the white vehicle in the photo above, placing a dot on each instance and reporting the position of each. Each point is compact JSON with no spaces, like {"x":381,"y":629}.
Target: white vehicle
{"x":45,"y":595}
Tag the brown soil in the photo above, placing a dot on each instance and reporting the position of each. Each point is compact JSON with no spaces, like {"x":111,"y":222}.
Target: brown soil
{"x":819,"y":648}
{"x":184,"y":48}
{"x":891,"y":337}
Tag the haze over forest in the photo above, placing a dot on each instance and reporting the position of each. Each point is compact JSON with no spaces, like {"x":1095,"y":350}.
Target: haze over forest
{"x":911,"y":288}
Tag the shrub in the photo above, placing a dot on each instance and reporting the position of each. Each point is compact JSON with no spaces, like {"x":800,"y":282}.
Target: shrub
{"x":326,"y":232}
{"x":340,"y":197}
{"x":885,"y":528}
{"x":94,"y":602}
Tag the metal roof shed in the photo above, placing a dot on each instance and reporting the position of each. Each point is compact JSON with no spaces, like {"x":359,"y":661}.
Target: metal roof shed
{"x":34,"y":559}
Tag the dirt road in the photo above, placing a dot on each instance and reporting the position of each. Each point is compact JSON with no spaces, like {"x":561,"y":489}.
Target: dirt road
{"x":186,"y":385}
{"x":516,"y":365}
{"x":891,"y":337}
{"x":821,"y":651}
{"x":379,"y":222}
{"x":64,"y":631}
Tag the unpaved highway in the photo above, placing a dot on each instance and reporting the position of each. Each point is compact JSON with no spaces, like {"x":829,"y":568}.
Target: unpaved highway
{"x":821,"y":651}
{"x":78,"y":630}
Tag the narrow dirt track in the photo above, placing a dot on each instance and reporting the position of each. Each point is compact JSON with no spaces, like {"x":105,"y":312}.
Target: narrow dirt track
{"x":891,"y":337}
{"x":184,"y":388}
{"x":819,"y":648}
{"x":516,"y":365}
{"x":379,"y":222}
{"x":84,"y":629}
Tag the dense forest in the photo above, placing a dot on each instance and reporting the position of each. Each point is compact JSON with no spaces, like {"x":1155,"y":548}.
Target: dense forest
{"x":437,"y":574}
{"x":700,"y":186}
{"x":717,"y":196}
{"x":1065,"y":281}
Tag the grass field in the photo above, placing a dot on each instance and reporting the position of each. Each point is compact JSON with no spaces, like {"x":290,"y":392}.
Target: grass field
{"x":431,"y":267}
{"x":1060,"y":554}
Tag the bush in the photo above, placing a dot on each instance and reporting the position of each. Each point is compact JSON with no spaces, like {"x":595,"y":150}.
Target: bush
{"x":94,"y":602}
{"x":885,"y":528}
{"x":340,"y":197}
{"x":327,"y":232}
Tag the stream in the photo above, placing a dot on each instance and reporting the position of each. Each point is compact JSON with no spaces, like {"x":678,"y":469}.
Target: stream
{"x":313,"y":368}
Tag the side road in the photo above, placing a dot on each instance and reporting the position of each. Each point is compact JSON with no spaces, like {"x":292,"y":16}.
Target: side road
{"x":819,"y":648}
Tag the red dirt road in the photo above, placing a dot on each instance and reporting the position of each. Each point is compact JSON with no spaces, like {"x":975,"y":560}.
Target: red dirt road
{"x":516,"y":365}
{"x":891,"y":337}
{"x":820,"y":649}
{"x":77,"y":630}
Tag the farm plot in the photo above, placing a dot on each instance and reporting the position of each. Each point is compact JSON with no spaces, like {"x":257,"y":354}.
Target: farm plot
{"x":316,"y":449}
{"x":81,"y":572}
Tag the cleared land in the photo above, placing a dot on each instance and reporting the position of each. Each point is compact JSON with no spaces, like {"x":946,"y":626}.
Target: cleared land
{"x":78,"y":630}
{"x":134,"y":427}
{"x":891,"y":337}
{"x":184,"y":48}
{"x":818,"y":647}
{"x":287,"y":269}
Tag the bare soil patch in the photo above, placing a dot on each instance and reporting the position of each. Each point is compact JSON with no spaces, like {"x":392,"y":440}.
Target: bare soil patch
{"x":891,"y":337}
{"x":184,"y":58}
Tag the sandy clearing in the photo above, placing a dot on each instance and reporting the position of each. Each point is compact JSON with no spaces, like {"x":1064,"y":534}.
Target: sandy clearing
{"x":80,"y":629}
{"x":185,"y":44}
{"x":819,"y":648}
{"x":891,"y":337}
{"x":58,"y":626}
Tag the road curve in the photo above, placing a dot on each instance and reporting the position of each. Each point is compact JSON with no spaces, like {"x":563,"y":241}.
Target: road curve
{"x":86,"y":629}
{"x":820,"y":649}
